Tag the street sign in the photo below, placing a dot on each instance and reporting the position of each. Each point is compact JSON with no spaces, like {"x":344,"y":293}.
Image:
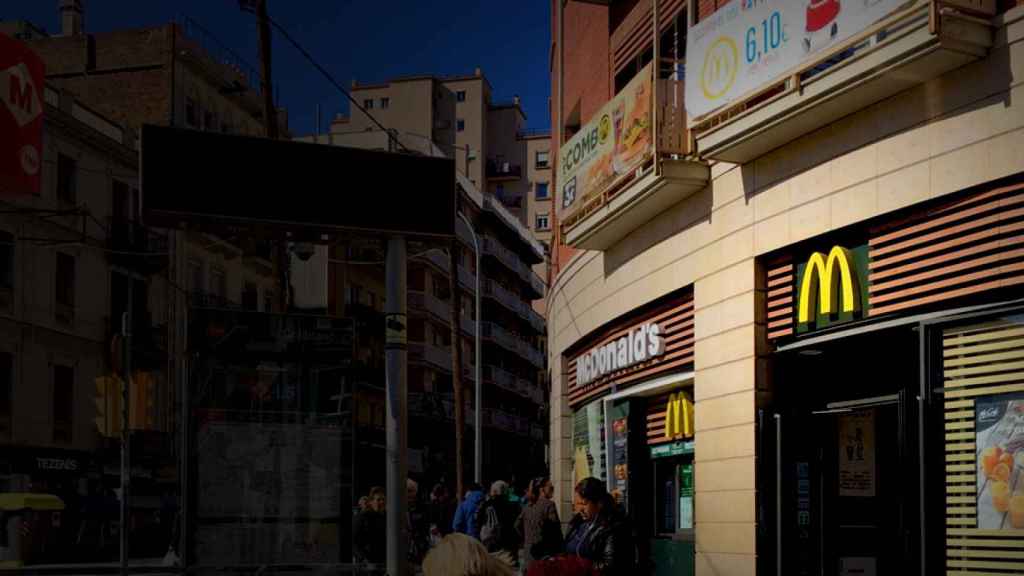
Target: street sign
{"x":201,"y":178}
{"x":21,"y":118}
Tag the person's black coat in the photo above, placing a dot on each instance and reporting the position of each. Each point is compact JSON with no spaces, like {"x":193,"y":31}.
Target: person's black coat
{"x":507,"y":513}
{"x":370,"y":537}
{"x":609,"y":544}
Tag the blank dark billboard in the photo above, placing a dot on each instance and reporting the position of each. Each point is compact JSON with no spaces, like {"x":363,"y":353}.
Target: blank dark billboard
{"x":193,"y":176}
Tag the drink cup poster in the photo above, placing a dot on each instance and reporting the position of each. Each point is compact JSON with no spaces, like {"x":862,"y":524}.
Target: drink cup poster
{"x":747,"y":44}
{"x":999,"y":441}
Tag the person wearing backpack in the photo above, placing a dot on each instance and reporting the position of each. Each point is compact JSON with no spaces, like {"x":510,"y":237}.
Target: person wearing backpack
{"x":496,"y":519}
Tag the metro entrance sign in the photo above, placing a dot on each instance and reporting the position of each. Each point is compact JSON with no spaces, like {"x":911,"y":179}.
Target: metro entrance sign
{"x":21,"y":118}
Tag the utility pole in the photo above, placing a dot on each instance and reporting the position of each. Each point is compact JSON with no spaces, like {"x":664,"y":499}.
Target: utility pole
{"x":397,"y":405}
{"x":453,"y":284}
{"x":266,"y":85}
{"x":126,"y":365}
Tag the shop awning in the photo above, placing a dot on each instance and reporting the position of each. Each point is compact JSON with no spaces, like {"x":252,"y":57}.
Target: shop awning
{"x":30,"y":501}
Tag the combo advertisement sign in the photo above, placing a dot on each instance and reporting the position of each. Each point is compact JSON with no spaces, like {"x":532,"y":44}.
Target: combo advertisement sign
{"x":21,"y":118}
{"x":613,"y":144}
{"x":749,"y":43}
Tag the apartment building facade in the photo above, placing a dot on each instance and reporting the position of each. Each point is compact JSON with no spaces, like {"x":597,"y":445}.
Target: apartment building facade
{"x":174,"y":281}
{"x":785,"y":289}
{"x":539,"y":200}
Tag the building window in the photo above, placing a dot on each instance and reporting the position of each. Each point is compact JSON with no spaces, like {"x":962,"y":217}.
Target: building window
{"x":542,"y":221}
{"x":195,"y":276}
{"x":218,"y":284}
{"x":191,"y":117}
{"x":6,"y":260}
{"x":67,"y":172}
{"x":368,"y":104}
{"x":460,"y":125}
{"x":6,"y":391}
{"x":268,"y":300}
{"x":250,"y":297}
{"x":542,"y":190}
{"x":499,"y":191}
{"x":460,"y":96}
{"x":63,"y":403}
{"x":385,"y":102}
{"x":541,"y":159}
{"x":65,"y":282}
{"x":354,"y":295}
{"x":209,"y":120}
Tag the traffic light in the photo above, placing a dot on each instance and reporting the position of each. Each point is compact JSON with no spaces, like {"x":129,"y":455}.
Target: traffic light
{"x":108,"y":406}
{"x":141,"y":413}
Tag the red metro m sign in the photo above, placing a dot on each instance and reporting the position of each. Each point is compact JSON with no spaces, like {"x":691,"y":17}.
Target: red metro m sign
{"x":21,"y":118}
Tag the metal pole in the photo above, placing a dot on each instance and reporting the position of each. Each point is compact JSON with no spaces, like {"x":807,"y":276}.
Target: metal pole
{"x":269,"y":111}
{"x":126,"y":366}
{"x":397,"y":405}
{"x":478,"y":419}
{"x":778,"y":495}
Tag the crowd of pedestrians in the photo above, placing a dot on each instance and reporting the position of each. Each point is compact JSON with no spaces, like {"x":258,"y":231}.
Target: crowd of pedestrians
{"x":503,"y":533}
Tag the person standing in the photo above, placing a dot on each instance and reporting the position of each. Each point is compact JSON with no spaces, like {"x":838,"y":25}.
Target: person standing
{"x":496,"y":518}
{"x":601,"y":532}
{"x":538,"y":524}
{"x":416,"y":521}
{"x":370,"y":541}
{"x":465,"y":516}
{"x":440,"y":514}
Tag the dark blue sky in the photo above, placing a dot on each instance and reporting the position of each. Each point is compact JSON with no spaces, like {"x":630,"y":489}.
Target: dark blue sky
{"x":369,"y":40}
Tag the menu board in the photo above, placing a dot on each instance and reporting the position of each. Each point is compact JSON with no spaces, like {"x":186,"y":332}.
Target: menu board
{"x":999,"y":441}
{"x":619,"y":415}
{"x":686,"y":497}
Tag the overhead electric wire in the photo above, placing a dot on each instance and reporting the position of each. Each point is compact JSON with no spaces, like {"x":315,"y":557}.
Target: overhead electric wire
{"x":334,"y":82}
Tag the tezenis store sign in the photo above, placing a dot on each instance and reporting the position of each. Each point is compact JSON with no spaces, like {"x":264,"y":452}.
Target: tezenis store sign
{"x":639,"y":345}
{"x":831,"y":288}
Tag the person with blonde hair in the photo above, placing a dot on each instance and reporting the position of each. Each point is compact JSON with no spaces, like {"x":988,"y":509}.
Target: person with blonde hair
{"x":461,"y":555}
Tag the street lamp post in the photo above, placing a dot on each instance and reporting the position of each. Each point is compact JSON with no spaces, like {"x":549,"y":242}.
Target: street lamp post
{"x":478,"y":418}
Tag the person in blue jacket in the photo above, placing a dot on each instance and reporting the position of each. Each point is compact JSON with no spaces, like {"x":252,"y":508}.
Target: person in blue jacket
{"x":465,"y":514}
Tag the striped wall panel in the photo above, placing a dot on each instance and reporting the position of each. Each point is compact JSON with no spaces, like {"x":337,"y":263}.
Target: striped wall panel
{"x":781,"y":297}
{"x":656,"y":412}
{"x":979,"y":361}
{"x":633,"y":35}
{"x":971,"y":245}
{"x":676,"y":320}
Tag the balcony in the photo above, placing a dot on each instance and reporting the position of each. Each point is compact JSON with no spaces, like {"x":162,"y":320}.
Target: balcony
{"x":440,"y":261}
{"x":498,"y":335}
{"x":435,"y":356}
{"x":914,"y":45}
{"x":536,"y":320}
{"x":135,"y":246}
{"x":501,"y":170}
{"x":494,"y":248}
{"x":531,"y":278}
{"x":439,"y":309}
{"x":657,"y":171}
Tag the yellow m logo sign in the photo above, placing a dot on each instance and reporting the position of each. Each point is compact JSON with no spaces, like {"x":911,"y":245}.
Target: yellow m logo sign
{"x":828,"y":281}
{"x":678,"y":416}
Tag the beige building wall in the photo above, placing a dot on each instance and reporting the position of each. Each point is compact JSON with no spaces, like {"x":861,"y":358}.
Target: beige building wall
{"x":962,"y":129}
{"x":409,"y":107}
{"x":471,"y":141}
{"x":535,"y":175}
{"x":504,"y":123}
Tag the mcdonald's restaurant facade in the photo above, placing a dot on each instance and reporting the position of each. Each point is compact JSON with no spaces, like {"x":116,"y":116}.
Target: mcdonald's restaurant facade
{"x":813,"y":362}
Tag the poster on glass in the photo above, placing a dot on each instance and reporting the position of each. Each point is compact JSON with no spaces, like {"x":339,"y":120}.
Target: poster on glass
{"x":999,"y":441}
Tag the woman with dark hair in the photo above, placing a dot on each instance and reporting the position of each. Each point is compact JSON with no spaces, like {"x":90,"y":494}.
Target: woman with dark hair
{"x":538,"y":524}
{"x":600,"y":531}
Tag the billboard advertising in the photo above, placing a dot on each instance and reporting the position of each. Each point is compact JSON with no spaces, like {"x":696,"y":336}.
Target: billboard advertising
{"x":747,"y":44}
{"x":999,"y":440}
{"x":613,"y":144}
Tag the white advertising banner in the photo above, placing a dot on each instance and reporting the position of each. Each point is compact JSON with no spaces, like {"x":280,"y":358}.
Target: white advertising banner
{"x":749,"y":43}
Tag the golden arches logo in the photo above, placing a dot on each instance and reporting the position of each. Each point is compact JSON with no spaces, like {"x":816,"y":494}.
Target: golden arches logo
{"x":604,"y":128}
{"x":678,"y":416}
{"x":820,"y":280}
{"x":721,"y":64}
